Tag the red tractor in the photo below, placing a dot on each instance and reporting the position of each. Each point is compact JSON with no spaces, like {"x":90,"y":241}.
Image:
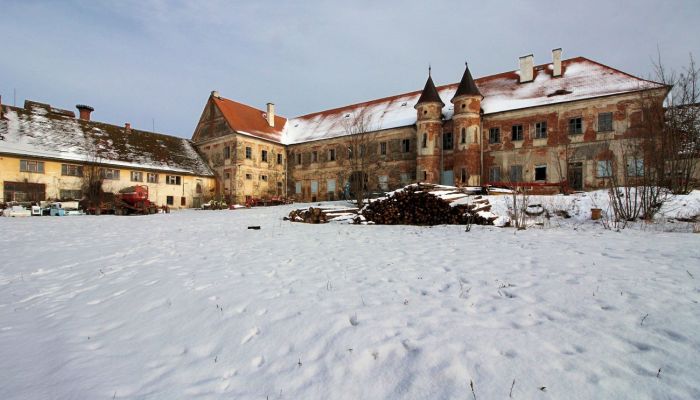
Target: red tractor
{"x":134,"y":200}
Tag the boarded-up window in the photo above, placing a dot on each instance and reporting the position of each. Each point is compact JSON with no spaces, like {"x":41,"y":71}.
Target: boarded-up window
{"x":516,"y":173}
{"x":297,"y":187}
{"x":383,"y":182}
{"x":314,"y":186}
{"x":330,"y":185}
{"x":495,"y":174}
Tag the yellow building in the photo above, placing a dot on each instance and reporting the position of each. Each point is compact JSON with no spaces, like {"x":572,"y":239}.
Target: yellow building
{"x":45,"y":151}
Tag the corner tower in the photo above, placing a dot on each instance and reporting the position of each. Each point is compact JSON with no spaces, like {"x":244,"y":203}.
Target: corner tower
{"x":428,"y":130}
{"x":467,"y":128}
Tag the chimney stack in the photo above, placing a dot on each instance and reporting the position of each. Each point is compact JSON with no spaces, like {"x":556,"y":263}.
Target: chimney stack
{"x":271,"y":114}
{"x":215,"y":93}
{"x":127,"y":128}
{"x":556,"y":62}
{"x":84,"y":111}
{"x":527,"y":68}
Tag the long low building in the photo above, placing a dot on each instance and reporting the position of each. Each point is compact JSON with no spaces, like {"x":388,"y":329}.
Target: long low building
{"x":44,"y":152}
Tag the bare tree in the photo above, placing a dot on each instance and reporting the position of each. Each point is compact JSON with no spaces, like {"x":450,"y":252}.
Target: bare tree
{"x":362,"y":160}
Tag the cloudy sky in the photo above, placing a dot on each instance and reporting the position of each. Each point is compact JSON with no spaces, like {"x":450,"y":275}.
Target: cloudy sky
{"x":139,"y":60}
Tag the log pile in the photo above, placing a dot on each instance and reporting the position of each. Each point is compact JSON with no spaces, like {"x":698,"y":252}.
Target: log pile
{"x":420,"y":205}
{"x":310,"y":216}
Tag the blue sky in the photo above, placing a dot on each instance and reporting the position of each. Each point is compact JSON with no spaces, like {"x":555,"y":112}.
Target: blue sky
{"x":139,"y":61}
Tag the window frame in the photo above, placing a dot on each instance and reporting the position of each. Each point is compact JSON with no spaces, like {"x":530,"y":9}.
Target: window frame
{"x":280,"y":160}
{"x":248,"y":153}
{"x":112,"y":174}
{"x":638,"y":164}
{"x":137,"y":174}
{"x":495,"y":173}
{"x":331,"y":154}
{"x":448,"y":138}
{"x":540,"y":168}
{"x":576,"y":126}
{"x":517,"y":133}
{"x":610,"y":127}
{"x":604,"y":166}
{"x":382,"y":148}
{"x":71,"y":170}
{"x":263,"y":155}
{"x":152,"y":175}
{"x":39,"y":167}
{"x":494,"y":135}
{"x":405,"y":145}
{"x":175,"y":180}
{"x":511,"y":175}
{"x":541,"y":130}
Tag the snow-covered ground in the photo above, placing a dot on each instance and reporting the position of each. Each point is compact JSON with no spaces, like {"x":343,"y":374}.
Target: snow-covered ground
{"x":194,"y":305}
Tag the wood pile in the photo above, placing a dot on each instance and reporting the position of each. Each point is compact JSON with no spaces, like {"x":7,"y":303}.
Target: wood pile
{"x":310,"y":216}
{"x":428,"y":205}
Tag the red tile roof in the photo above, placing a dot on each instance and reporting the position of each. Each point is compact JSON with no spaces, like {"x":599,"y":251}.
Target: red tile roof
{"x":249,"y":120}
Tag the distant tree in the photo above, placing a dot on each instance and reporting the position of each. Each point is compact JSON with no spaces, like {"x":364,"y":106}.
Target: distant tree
{"x":361,"y":152}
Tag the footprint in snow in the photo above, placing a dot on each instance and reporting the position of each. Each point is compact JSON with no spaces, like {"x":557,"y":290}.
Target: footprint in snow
{"x":253,"y":333}
{"x":257,"y":361}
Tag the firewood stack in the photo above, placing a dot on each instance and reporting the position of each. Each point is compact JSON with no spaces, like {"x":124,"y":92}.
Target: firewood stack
{"x":416,"y":205}
{"x":310,"y":216}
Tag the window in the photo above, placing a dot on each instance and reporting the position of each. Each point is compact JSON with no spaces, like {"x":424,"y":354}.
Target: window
{"x":405,"y":178}
{"x":227,"y":152}
{"x":363,"y":150}
{"x":635,"y":166}
{"x":173,"y":179}
{"x":198,"y":188}
{"x":605,"y":122}
{"x":71,"y":170}
{"x":382,"y":148}
{"x":109,"y":173}
{"x":540,"y":172}
{"x":425,"y":176}
{"x":464,"y":135}
{"x":406,"y":145}
{"x":575,"y":125}
{"x":350,"y":153}
{"x":263,"y":155}
{"x":541,"y":130}
{"x":70,"y":194}
{"x":516,"y":132}
{"x":263,"y":178}
{"x":136,"y":176}
{"x":331,"y":155}
{"x":299,"y":159}
{"x":463,"y":176}
{"x":31,"y":166}
{"x":297,"y":187}
{"x":279,"y":188}
{"x":314,"y":156}
{"x":152,"y":178}
{"x":24,"y":191}
{"x":383,"y":182}
{"x":447,"y":141}
{"x":495,"y":174}
{"x":249,"y":176}
{"x":495,"y":135}
{"x":248,"y":153}
{"x":170,"y":200}
{"x":604,"y":169}
{"x":183,"y":201}
{"x":424,"y":144}
{"x":227,"y":175}
{"x":314,"y":186}
{"x":279,"y":158}
{"x":330,"y":185}
{"x":516,"y":173}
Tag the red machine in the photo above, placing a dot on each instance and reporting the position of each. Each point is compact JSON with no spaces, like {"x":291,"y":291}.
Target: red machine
{"x":134,"y":200}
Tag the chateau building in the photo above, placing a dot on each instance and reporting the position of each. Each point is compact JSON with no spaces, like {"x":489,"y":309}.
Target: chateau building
{"x":545,"y":126}
{"x":45,"y":150}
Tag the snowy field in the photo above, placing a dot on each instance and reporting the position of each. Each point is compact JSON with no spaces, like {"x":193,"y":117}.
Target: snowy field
{"x":193,"y":305}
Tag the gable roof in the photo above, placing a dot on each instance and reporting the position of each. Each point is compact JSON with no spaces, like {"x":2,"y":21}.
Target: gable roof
{"x":38,"y":130}
{"x":581,"y":79}
{"x":249,"y":120}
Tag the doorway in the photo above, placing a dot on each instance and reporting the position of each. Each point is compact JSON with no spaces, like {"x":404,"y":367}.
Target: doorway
{"x":575,"y":175}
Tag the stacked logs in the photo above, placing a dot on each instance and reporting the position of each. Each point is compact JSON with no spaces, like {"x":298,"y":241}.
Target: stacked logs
{"x":416,"y":206}
{"x":310,"y":216}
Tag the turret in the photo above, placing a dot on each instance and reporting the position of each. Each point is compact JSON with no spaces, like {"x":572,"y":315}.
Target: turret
{"x":428,"y":130}
{"x":467,"y":133}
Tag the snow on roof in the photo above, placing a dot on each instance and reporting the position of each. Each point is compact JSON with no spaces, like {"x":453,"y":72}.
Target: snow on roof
{"x":38,"y":131}
{"x":581,"y":79}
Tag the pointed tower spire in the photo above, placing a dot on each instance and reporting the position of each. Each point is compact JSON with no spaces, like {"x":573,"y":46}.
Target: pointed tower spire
{"x":430,"y":93}
{"x":467,"y":87}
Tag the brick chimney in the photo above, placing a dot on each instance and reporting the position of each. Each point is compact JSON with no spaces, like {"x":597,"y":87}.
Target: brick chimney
{"x":527,"y":63}
{"x":271,"y":114}
{"x":127,"y":128}
{"x":84,"y":111}
{"x":556,"y":62}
